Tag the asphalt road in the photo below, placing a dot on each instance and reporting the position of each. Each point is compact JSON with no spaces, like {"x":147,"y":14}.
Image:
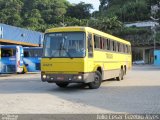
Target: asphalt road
{"x":139,"y":93}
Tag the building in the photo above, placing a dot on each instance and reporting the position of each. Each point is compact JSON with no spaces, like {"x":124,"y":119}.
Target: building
{"x":143,"y":46}
{"x":19,"y":36}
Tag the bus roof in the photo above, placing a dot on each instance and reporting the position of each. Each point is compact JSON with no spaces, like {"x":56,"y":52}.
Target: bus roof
{"x":89,"y":29}
{"x":9,"y":46}
{"x":29,"y":48}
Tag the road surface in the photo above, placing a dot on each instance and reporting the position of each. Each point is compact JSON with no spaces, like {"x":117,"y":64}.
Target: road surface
{"x":139,"y":92}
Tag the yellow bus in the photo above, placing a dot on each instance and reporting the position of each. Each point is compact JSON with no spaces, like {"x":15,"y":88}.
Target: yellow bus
{"x":83,"y":55}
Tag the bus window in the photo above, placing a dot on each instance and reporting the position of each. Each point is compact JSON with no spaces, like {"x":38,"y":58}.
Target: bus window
{"x":101,"y":43}
{"x":90,"y":46}
{"x":104,"y":44}
{"x":8,"y":53}
{"x":33,"y":53}
{"x":26,"y":53}
{"x":130,"y":49}
{"x":111,"y":45}
{"x":108,"y":44}
{"x":38,"y":53}
{"x":127,"y":51}
{"x":96,"y":41}
{"x":122,"y":48}
{"x":114,"y":46}
{"x":65,"y":45}
{"x":118,"y":46}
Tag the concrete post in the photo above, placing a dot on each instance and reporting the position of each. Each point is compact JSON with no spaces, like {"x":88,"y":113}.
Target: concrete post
{"x":144,"y":55}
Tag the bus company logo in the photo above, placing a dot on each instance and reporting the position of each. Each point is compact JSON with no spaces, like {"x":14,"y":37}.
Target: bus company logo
{"x":109,"y":56}
{"x":47,"y":64}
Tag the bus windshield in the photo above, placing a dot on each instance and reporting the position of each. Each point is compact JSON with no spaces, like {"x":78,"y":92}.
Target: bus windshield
{"x":64,"y":45}
{"x":32,"y":52}
{"x":8,"y":52}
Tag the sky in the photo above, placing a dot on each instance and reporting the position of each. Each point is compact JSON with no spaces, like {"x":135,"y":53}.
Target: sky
{"x":95,"y":3}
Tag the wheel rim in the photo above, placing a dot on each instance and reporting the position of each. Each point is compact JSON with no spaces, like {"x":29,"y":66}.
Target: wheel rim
{"x":121,"y":74}
{"x":96,"y":80}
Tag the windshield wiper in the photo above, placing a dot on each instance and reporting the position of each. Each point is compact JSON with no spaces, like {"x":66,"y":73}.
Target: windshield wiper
{"x":67,"y":53}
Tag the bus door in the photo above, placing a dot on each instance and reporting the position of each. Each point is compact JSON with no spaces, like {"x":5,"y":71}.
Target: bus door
{"x":8,"y":59}
{"x":19,"y":59}
{"x":90,"y":52}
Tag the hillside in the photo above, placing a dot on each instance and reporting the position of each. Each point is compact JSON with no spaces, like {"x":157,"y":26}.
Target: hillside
{"x":126,"y":10}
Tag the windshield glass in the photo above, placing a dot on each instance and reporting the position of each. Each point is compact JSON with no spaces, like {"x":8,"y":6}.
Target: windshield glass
{"x":64,"y":45}
{"x":32,"y":52}
{"x":8,"y":52}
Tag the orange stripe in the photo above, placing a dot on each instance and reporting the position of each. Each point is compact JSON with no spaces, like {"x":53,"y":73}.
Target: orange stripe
{"x":18,"y":43}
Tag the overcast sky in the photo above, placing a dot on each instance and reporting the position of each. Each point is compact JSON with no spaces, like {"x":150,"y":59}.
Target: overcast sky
{"x":95,"y":3}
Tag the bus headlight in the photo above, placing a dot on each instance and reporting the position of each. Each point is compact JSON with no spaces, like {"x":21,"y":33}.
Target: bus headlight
{"x":79,"y":77}
{"x":44,"y":76}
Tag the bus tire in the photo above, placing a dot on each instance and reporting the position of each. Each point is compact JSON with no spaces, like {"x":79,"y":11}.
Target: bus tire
{"x":125,"y":70}
{"x":23,"y":72}
{"x":121,"y":74}
{"x":97,"y":81}
{"x":62,"y":85}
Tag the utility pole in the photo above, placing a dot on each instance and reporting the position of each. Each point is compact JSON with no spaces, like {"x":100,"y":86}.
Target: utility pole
{"x":154,"y":20}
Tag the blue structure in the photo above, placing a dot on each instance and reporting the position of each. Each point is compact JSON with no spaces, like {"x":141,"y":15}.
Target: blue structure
{"x":157,"y":57}
{"x":19,"y":36}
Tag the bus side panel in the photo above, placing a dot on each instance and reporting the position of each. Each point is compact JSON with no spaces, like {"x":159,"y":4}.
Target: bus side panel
{"x":8,"y":65}
{"x":32,"y":64}
{"x":111,"y":63}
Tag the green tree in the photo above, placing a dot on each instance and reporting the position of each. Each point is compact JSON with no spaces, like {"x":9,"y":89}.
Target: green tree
{"x":10,"y":12}
{"x":126,"y":10}
{"x":80,"y":11}
{"x":43,"y":13}
{"x":110,"y":25}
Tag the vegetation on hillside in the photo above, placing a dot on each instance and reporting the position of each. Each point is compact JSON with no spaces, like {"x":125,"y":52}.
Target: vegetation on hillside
{"x":42,"y":14}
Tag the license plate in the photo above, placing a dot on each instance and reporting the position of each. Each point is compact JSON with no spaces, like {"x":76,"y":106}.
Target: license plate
{"x":60,"y":78}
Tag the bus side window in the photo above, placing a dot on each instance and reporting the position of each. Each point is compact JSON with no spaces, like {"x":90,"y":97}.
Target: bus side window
{"x":108,"y":45}
{"x":122,"y":48}
{"x":104,"y":44}
{"x":96,"y":41}
{"x":26,"y":54}
{"x":101,"y":43}
{"x":130,"y":51}
{"x":114,"y":46}
{"x":118,"y":46}
{"x":111,"y":45}
{"x":127,"y":49}
{"x":90,"y":46}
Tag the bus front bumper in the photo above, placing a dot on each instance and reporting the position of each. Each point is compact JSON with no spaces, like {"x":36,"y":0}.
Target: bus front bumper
{"x":70,"y":78}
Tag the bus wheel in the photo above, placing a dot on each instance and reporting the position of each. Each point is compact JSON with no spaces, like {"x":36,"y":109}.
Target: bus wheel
{"x":23,"y":72}
{"x":121,"y":74}
{"x":97,"y":81}
{"x":62,"y":85}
